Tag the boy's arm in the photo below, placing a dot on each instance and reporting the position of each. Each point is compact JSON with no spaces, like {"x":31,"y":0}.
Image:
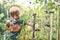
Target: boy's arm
{"x":7,"y":25}
{"x":29,"y":24}
{"x":36,"y":26}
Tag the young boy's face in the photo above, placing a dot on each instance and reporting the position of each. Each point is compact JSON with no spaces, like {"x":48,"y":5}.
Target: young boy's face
{"x":14,"y":11}
{"x":16,"y":16}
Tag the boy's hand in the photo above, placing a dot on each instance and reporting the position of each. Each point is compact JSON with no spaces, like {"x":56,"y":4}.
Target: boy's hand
{"x":36,"y":26}
{"x":7,"y":22}
{"x":30,"y":24}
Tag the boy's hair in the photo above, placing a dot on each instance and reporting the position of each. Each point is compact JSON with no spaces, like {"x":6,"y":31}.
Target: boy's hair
{"x":13,"y":11}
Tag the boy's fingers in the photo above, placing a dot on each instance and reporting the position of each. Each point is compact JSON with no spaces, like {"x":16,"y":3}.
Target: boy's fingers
{"x":8,"y":21}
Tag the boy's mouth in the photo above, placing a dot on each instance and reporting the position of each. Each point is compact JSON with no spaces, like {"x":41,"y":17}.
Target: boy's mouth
{"x":17,"y":19}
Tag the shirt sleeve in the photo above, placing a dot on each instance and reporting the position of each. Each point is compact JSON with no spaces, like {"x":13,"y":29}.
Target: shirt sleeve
{"x":23,"y":22}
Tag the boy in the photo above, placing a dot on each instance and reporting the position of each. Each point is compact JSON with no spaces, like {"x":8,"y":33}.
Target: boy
{"x":15,"y":22}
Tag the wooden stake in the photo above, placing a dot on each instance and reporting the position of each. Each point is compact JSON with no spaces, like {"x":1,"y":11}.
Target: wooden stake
{"x":51,"y":25}
{"x":33,"y":36}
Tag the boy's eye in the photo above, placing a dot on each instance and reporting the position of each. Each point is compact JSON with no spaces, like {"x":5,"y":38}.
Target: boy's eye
{"x":16,"y":15}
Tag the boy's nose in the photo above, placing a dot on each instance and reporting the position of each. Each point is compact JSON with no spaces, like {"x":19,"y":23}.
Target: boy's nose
{"x":18,"y":17}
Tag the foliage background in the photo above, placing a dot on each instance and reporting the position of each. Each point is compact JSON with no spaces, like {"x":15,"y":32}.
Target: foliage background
{"x":38,"y":7}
